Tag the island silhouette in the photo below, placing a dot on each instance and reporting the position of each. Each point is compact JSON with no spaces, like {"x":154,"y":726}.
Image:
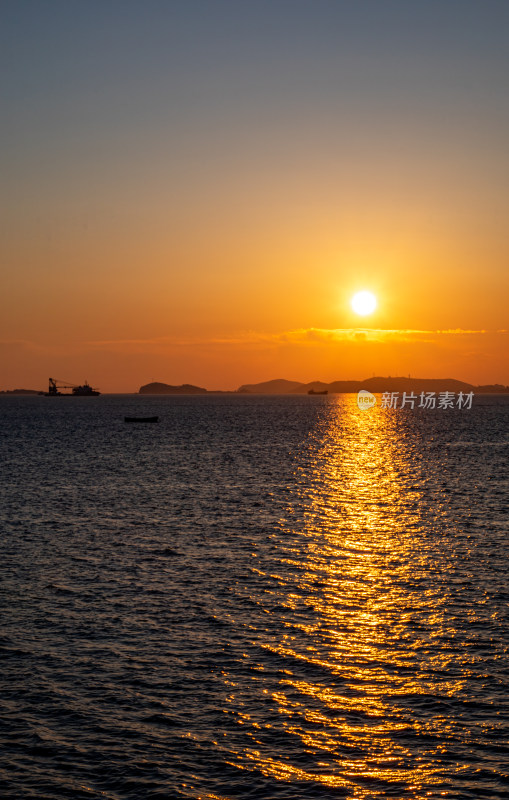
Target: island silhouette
{"x":165,"y":388}
{"x":374,"y":385}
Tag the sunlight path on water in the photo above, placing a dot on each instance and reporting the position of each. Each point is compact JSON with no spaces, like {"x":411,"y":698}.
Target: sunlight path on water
{"x":367,"y":645}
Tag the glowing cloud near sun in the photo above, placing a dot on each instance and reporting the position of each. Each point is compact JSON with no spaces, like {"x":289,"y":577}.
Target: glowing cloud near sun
{"x":363,"y":303}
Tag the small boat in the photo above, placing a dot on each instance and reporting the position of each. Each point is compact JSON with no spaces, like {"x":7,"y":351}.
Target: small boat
{"x":312,"y":391}
{"x":141,"y":419}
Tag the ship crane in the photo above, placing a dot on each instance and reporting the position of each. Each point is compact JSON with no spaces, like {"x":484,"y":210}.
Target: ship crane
{"x":55,"y":384}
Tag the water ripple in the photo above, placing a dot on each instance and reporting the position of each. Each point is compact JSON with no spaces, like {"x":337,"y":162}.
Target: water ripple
{"x":267,"y":598}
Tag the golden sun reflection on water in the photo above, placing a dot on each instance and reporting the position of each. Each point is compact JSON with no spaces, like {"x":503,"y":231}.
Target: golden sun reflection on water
{"x":351,"y":605}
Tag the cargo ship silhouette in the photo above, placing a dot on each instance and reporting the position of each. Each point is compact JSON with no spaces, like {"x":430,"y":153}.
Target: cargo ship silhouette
{"x":77,"y":391}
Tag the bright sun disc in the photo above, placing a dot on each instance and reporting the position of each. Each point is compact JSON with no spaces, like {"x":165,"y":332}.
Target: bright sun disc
{"x":363,"y":303}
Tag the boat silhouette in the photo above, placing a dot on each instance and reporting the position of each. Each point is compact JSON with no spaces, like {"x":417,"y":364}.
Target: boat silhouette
{"x":141,"y":419}
{"x":77,"y":391}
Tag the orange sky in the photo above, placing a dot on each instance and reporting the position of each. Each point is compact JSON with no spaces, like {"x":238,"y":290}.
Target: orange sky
{"x":203,"y":213}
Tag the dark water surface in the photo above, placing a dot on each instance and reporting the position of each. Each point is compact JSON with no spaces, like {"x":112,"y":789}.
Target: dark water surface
{"x":259,"y":597}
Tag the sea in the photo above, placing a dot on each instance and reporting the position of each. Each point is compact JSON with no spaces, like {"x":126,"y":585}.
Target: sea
{"x":256,"y":598}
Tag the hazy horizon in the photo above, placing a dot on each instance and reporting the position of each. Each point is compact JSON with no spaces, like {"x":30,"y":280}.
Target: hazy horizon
{"x":268,"y":381}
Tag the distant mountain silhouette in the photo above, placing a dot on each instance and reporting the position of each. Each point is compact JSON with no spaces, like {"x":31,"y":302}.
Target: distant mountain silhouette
{"x":375,"y":385}
{"x":279,"y":386}
{"x":282,"y":386}
{"x":165,"y":388}
{"x":403,"y":385}
{"x":19,"y":391}
{"x":492,"y":388}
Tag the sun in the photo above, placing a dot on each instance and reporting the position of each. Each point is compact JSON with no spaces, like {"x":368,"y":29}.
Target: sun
{"x":364,"y":303}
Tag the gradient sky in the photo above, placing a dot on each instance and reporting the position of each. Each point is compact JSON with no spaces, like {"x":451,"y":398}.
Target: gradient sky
{"x":191,"y":191}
